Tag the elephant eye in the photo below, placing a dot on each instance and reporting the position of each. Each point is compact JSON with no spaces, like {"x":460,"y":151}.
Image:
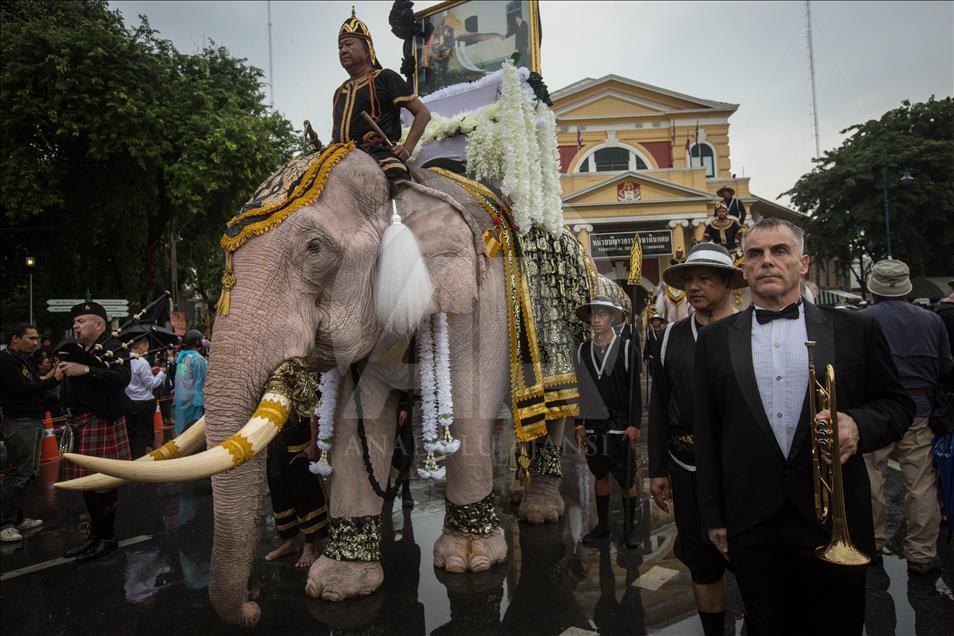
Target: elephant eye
{"x":314,"y":246}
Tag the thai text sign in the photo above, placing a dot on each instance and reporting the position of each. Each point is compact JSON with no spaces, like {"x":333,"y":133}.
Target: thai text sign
{"x":619,"y":244}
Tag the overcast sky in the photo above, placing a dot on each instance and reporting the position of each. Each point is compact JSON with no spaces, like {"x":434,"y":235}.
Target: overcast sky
{"x":868,"y":57}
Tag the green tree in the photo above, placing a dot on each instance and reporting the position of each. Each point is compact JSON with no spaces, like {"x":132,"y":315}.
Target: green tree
{"x":844,"y":193}
{"x":115,"y":144}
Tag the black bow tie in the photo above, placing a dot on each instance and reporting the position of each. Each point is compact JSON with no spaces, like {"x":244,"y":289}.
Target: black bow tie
{"x":765,"y":316}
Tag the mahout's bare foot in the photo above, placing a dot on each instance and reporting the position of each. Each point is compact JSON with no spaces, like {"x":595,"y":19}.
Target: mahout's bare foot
{"x":308,"y":555}
{"x":337,"y":580}
{"x":542,"y":502}
{"x":288,"y":546}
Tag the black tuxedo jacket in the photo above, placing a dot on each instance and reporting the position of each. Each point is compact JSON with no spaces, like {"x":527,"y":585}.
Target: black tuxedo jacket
{"x":744,"y":479}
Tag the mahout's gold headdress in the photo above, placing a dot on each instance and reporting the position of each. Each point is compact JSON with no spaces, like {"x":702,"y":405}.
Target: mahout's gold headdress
{"x":355,"y":28}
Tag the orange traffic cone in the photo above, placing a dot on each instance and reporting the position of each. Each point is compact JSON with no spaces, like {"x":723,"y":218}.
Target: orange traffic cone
{"x":49,"y":452}
{"x":158,"y":430}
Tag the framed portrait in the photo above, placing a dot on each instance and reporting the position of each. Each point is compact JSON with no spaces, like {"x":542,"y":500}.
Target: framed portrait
{"x":463,"y":40}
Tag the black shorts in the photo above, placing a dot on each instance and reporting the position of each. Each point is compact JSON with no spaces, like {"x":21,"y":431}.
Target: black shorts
{"x":606,"y":454}
{"x":692,"y":547}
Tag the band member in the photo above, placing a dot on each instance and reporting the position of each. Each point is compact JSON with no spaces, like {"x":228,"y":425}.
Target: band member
{"x":753,"y":445}
{"x":139,"y":420}
{"x":98,"y":407}
{"x":298,"y":499}
{"x":708,"y":278}
{"x":724,"y":229}
{"x":654,"y":336}
{"x":610,"y":412}
{"x":379,"y":92}
{"x":733,"y":206}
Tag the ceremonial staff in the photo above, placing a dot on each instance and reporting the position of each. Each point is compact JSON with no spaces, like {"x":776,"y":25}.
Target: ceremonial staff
{"x":377,"y":129}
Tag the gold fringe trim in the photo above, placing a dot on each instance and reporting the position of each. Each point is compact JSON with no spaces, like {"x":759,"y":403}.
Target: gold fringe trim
{"x":239,"y":448}
{"x":309,"y":188}
{"x":286,"y":526}
{"x":297,"y":448}
{"x":284,"y":513}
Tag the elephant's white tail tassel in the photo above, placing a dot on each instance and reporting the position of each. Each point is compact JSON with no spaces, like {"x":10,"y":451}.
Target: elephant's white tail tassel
{"x":326,"y":421}
{"x":436,"y":402}
{"x":403,"y":288}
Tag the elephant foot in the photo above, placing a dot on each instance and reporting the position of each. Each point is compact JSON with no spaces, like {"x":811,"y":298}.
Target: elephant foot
{"x":472,"y":539}
{"x":458,"y":552}
{"x":251,"y":612}
{"x":332,"y":580}
{"x":542,"y":502}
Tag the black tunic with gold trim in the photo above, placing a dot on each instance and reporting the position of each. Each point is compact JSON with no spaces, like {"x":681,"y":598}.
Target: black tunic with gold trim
{"x":381,"y":94}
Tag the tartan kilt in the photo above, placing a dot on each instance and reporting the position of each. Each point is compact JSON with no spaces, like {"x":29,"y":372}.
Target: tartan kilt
{"x":98,"y":437}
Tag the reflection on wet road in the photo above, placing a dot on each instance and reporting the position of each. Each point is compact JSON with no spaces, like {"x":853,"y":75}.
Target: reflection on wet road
{"x":157,"y":582}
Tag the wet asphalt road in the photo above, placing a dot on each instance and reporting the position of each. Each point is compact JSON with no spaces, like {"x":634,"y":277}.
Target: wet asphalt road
{"x":156,"y":583}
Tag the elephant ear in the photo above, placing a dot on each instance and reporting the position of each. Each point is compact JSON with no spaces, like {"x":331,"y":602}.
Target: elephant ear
{"x":447,"y":243}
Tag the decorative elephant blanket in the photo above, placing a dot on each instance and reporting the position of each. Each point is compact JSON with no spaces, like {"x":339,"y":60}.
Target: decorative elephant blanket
{"x":547,"y":279}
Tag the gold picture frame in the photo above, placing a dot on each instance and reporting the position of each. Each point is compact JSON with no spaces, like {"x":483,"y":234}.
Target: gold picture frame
{"x":441,"y":63}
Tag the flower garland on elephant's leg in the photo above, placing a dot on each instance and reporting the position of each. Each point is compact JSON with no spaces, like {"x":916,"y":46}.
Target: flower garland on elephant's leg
{"x":325,"y":410}
{"x":437,"y":405}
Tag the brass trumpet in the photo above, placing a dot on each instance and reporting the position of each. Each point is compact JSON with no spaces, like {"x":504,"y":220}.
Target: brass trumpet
{"x":829,"y":489}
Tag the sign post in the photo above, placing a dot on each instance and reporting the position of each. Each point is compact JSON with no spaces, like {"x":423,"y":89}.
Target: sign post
{"x":115,"y":307}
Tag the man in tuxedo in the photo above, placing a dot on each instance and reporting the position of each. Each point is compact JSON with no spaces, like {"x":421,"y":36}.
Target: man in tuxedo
{"x":753,"y":446}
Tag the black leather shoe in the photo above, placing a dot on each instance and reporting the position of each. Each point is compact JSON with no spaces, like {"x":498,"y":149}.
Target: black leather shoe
{"x":104,"y":547}
{"x":596,"y":536}
{"x":86,"y":546}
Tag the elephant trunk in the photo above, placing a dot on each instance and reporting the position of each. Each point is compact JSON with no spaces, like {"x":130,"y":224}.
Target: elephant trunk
{"x":237,"y":497}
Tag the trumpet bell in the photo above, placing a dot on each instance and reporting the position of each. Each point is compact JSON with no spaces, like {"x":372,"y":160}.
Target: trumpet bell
{"x":842,"y":552}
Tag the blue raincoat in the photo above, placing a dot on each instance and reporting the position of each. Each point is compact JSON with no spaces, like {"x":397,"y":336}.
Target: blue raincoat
{"x":191,"y":368}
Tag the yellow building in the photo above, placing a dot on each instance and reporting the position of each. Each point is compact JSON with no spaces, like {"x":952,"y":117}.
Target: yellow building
{"x":641,"y":159}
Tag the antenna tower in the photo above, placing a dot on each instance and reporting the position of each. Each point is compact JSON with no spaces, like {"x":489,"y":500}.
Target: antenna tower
{"x":811,"y":73}
{"x":271,"y":74}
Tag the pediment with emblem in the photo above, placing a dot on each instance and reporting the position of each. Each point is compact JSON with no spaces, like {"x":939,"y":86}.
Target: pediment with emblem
{"x":633,"y":187}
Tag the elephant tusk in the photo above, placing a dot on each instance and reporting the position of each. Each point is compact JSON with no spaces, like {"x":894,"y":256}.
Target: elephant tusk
{"x":189,"y":442}
{"x":261,"y":428}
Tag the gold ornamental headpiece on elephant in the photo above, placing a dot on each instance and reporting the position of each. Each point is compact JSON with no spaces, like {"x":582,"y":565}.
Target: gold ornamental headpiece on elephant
{"x":293,"y":186}
{"x":355,"y":28}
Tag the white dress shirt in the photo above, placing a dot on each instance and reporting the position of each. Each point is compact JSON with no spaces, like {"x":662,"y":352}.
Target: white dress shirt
{"x":143,"y":381}
{"x":780,"y":359}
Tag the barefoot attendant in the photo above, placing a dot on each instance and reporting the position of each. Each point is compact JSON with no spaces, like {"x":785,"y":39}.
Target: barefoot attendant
{"x":708,"y":278}
{"x":298,"y":498}
{"x":610,"y":410}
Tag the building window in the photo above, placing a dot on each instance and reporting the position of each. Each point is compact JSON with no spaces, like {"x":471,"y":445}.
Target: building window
{"x":702,"y":155}
{"x":613,"y":159}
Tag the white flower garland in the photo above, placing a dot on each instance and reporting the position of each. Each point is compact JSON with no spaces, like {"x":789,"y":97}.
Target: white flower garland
{"x":511,"y":142}
{"x":437,"y":406}
{"x":445,"y":399}
{"x":328,"y":386}
{"x":428,"y":395}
